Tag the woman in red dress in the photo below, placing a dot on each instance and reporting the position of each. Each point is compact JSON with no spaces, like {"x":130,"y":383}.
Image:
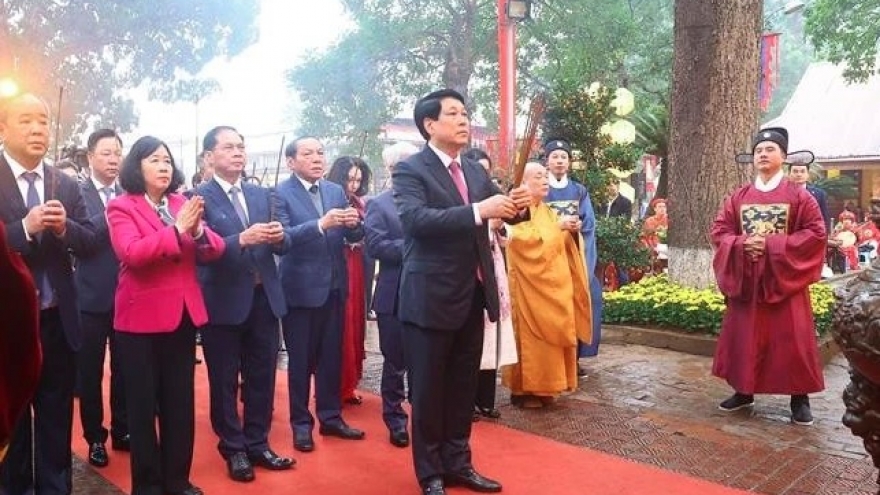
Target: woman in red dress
{"x":353,"y":174}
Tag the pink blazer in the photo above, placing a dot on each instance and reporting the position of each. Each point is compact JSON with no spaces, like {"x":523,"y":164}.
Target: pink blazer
{"x":157,"y":269}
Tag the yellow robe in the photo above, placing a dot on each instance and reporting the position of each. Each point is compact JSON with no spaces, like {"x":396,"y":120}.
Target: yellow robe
{"x":551,"y":305}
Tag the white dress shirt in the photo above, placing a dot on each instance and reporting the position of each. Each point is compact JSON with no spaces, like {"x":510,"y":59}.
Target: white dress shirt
{"x":18,"y":172}
{"x":226,"y":186}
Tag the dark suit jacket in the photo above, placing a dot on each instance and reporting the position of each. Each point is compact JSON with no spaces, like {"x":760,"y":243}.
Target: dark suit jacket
{"x":314,"y":264}
{"x":228,"y":283}
{"x":822,"y":199}
{"x":47,"y":253}
{"x":443,"y":246}
{"x":620,"y":207}
{"x":96,"y":273}
{"x":384,"y":242}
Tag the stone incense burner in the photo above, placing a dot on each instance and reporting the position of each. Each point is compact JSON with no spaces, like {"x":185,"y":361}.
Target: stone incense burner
{"x":856,"y":329}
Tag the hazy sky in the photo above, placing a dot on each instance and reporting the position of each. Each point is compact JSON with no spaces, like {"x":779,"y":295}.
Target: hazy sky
{"x":253,"y":95}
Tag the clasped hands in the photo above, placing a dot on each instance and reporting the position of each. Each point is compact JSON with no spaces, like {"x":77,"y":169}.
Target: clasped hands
{"x":189,"y":218}
{"x":570,"y":223}
{"x":505,"y":207}
{"x":50,"y":216}
{"x":754,"y":246}
{"x":261,"y":233}
{"x":339,"y":217}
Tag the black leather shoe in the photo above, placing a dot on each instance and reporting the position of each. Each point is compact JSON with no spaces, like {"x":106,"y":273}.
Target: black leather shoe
{"x":271,"y":461}
{"x":240,"y":468}
{"x":98,"y":455}
{"x":474,"y":481}
{"x":400,"y":438}
{"x":433,"y":486}
{"x":122,"y":443}
{"x":488,"y":412}
{"x":192,"y":490}
{"x":302,"y":441}
{"x":341,"y":430}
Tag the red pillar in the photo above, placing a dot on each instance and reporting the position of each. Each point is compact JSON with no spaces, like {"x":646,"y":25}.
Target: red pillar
{"x":507,"y":87}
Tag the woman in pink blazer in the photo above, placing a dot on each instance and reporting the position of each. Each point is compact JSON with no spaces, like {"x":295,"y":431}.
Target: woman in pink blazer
{"x":159,"y":236}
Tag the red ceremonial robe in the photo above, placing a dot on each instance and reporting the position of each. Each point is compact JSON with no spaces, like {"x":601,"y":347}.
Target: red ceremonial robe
{"x":768,"y":337}
{"x":355,"y":318}
{"x":19,"y":339}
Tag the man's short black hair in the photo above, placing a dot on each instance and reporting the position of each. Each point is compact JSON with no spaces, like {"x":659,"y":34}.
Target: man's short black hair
{"x":291,"y":148}
{"x":131,"y":177}
{"x":100,"y":134}
{"x":210,"y":140}
{"x":476,"y":154}
{"x":429,"y":106}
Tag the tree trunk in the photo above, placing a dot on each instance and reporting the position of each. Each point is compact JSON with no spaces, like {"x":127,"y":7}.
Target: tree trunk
{"x":714,"y":111}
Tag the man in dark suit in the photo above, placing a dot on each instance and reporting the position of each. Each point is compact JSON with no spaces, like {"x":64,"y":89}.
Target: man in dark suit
{"x":243,"y":295}
{"x":447,"y":280}
{"x":799,"y":173}
{"x":95,"y":279}
{"x":619,"y":205}
{"x":317,"y":220}
{"x":384,"y":241}
{"x":45,"y":218}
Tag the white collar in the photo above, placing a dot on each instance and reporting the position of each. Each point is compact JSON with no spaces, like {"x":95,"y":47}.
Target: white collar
{"x":771,"y":184}
{"x":99,"y":186}
{"x":557,"y":183}
{"x":306,"y":184}
{"x":446,"y":159}
{"x":226,"y":186}
{"x":18,"y":168}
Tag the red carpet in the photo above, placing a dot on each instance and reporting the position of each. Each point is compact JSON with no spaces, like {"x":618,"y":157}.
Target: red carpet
{"x":524,"y":463}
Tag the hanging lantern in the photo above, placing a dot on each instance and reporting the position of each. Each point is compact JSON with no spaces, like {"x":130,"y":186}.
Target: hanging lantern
{"x":623,"y":102}
{"x":623,"y":132}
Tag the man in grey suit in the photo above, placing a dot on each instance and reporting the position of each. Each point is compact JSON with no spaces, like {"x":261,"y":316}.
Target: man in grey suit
{"x":317,"y":221}
{"x":243,"y":296}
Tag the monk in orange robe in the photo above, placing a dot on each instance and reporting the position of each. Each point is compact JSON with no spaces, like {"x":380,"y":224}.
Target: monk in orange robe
{"x":19,"y":340}
{"x":769,"y":243}
{"x":549,"y":298}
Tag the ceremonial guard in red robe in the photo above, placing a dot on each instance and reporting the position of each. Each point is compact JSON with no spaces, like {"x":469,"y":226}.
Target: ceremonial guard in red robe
{"x":769,"y":240}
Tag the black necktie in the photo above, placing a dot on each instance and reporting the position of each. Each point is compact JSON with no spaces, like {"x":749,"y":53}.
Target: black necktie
{"x":316,"y":199}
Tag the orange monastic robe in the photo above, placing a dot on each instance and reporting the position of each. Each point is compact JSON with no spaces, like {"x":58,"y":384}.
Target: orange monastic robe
{"x":551,"y":305}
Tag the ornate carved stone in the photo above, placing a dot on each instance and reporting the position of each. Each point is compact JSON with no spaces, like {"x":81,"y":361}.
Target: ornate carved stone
{"x":856,"y":329}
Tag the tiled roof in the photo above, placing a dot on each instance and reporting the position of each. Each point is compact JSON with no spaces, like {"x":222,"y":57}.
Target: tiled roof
{"x":833,"y":119}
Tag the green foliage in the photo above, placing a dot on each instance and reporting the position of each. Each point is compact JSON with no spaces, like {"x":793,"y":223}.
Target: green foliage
{"x":846,"y":31}
{"x":655,"y":301}
{"x":619,"y":240}
{"x":97,"y":49}
{"x":840,"y":187}
{"x":400,"y":49}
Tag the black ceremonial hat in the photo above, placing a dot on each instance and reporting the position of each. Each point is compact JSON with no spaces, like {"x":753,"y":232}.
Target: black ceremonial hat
{"x":778,"y":135}
{"x":557,"y":144}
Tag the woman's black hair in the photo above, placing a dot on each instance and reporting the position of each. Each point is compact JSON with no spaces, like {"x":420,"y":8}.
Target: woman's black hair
{"x":131,"y":176}
{"x":340,"y":169}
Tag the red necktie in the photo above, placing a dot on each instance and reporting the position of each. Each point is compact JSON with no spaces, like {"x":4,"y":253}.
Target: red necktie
{"x":458,"y":178}
{"x":461,"y":185}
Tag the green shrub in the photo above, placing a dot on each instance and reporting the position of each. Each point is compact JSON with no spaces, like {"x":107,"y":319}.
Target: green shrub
{"x":656,"y":301}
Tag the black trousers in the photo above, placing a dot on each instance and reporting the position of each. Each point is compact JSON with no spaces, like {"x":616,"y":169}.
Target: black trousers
{"x":45,"y":470}
{"x":313,"y":337}
{"x":486,"y":389}
{"x":97,"y":332}
{"x":443,"y":367}
{"x":249,"y":350}
{"x":158,"y":370}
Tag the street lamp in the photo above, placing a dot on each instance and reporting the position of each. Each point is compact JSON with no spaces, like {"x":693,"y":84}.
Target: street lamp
{"x":509,"y":13}
{"x":8,"y":87}
{"x":519,"y":10}
{"x":792,"y":7}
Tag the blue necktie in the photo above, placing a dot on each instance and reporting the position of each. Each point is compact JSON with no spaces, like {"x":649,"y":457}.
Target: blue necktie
{"x":236,"y":203}
{"x":316,"y":198}
{"x":47,"y":295}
